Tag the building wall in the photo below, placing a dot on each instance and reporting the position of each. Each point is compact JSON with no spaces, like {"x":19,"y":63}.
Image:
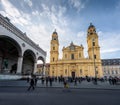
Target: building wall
{"x":108,"y":69}
{"x":80,"y":69}
{"x":111,"y":67}
{"x":41,"y":68}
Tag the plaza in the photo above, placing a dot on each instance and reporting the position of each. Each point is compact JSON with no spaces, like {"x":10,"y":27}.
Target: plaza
{"x":83,"y":85}
{"x":59,"y":52}
{"x":57,"y":95}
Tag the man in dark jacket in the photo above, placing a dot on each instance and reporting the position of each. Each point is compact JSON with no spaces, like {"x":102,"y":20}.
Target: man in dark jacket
{"x":32,"y":84}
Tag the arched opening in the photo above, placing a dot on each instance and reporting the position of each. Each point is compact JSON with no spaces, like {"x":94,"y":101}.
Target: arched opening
{"x":9,"y":53}
{"x":28,"y":62}
{"x":40,"y":66}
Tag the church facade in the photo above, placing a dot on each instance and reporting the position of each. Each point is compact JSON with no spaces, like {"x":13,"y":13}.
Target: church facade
{"x":73,"y":63}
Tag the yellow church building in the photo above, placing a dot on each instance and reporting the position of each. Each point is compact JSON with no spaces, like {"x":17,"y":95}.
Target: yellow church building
{"x":73,"y":63}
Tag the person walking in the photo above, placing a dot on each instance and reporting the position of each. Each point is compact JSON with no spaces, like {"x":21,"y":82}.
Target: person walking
{"x":65,"y":84}
{"x":42,"y":79}
{"x":47,"y":79}
{"x":28,"y":79}
{"x":75,"y":82}
{"x":36,"y":79}
{"x":32,"y":84}
{"x":50,"y":80}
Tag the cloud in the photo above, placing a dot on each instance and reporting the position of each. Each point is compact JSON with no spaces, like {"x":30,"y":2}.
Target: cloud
{"x":29,"y":2}
{"x":82,"y":39}
{"x":40,"y":36}
{"x":81,"y":34}
{"x":10,"y":9}
{"x":35,"y":13}
{"x":110,"y":50}
{"x":109,"y":42}
{"x":55,"y":14}
{"x":16,"y":16}
{"x":49,"y":18}
{"x":39,"y":25}
{"x":77,"y":4}
{"x":58,"y":21}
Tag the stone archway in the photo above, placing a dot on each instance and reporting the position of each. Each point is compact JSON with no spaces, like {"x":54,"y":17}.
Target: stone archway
{"x":10,"y":50}
{"x":41,"y":66}
{"x":29,"y":60}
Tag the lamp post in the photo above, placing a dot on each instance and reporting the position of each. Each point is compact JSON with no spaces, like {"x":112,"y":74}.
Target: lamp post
{"x":93,"y":44}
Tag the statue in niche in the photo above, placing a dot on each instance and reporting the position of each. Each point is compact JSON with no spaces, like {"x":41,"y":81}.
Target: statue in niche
{"x":5,"y":64}
{"x":13,"y":68}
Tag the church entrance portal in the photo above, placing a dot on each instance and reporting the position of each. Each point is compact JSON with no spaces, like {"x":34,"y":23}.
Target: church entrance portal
{"x":73,"y":75}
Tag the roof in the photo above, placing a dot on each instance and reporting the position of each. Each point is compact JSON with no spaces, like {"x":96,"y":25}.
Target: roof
{"x":111,"y":62}
{"x":55,"y":32}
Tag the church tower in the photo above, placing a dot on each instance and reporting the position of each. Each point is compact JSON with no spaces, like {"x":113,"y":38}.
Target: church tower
{"x":54,"y":48}
{"x":54,"y":53}
{"x":94,"y":52}
{"x":93,"y":44}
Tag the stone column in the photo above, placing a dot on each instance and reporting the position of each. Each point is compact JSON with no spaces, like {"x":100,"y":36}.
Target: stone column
{"x":0,"y":64}
{"x":35,"y":67}
{"x":19,"y":65}
{"x":44,"y":68}
{"x":69,"y":71}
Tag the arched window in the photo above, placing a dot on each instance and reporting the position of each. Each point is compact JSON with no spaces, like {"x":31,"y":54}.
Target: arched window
{"x":93,"y":43}
{"x":72,"y":56}
{"x":79,"y":55}
{"x":53,"y":59}
{"x":53,"y":48}
{"x":94,"y":56}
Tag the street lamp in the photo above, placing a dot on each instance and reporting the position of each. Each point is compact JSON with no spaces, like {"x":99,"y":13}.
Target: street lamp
{"x":93,"y":44}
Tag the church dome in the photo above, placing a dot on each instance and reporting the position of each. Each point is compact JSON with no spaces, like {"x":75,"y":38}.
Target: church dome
{"x":91,"y":26}
{"x":55,"y":32}
{"x":55,"y":35}
{"x":91,"y":29}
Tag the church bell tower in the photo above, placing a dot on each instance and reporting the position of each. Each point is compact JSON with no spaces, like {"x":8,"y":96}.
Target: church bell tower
{"x":54,"y":54}
{"x":54,"y":47}
{"x":93,"y":44}
{"x":94,"y":51}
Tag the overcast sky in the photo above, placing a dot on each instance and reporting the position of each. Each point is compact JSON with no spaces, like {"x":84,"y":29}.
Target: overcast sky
{"x":70,"y":18}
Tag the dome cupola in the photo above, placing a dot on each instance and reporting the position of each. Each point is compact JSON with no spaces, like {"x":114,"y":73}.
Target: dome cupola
{"x":91,"y":29}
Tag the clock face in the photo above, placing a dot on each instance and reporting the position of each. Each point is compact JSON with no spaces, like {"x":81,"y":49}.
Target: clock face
{"x":72,"y":47}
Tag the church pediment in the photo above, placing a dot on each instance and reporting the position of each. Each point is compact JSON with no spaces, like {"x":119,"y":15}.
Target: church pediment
{"x":73,"y":47}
